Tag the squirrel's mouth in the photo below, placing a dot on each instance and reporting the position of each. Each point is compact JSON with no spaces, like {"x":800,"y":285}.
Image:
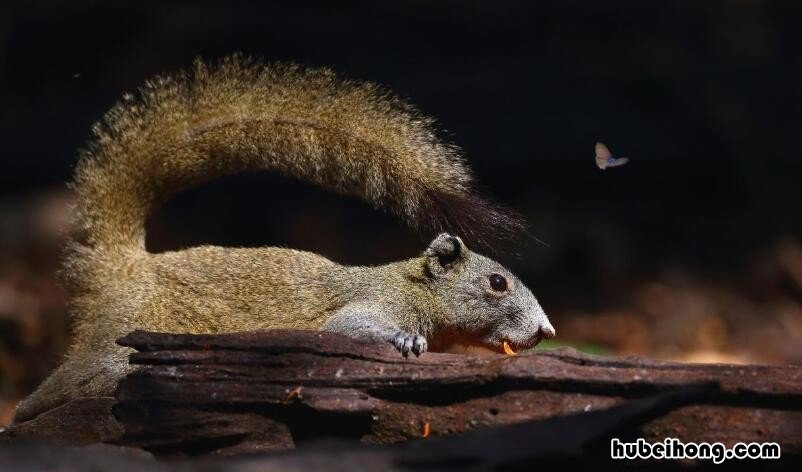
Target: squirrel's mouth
{"x":512,"y":348}
{"x":529,"y":343}
{"x":508,"y":346}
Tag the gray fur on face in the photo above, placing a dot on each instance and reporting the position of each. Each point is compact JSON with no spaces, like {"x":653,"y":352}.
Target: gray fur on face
{"x":447,"y":290}
{"x":460,"y":279}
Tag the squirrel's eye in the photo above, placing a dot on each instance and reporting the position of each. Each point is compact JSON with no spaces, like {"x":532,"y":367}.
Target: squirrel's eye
{"x":498,"y":283}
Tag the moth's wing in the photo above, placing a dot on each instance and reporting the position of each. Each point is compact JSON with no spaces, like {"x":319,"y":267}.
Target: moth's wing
{"x":603,"y":155}
{"x":619,"y":161}
{"x":602,"y":151}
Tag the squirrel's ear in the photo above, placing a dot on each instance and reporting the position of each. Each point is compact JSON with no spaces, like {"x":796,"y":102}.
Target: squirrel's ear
{"x":444,"y":253}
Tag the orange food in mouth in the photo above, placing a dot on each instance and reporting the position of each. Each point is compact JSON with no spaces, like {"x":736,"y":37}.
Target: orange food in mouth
{"x":508,"y":350}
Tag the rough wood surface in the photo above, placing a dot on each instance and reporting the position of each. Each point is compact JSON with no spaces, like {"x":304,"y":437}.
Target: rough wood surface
{"x":567,"y":442}
{"x":257,"y":391}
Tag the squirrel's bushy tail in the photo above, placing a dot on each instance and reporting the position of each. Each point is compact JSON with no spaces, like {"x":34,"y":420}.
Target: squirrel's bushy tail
{"x":240,"y":115}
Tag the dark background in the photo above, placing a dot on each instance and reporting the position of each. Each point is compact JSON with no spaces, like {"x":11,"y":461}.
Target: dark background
{"x":691,"y":251}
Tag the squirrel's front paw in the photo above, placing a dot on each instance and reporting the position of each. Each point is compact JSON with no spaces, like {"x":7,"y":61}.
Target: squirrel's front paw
{"x":406,"y":342}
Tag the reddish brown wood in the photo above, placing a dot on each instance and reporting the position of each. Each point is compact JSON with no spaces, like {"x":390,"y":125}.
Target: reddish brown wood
{"x":274,"y":389}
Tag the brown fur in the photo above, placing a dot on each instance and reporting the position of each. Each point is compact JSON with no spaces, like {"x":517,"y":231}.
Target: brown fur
{"x":352,"y":138}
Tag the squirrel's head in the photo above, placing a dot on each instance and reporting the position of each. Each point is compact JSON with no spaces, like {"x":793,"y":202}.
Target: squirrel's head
{"x":482,"y":298}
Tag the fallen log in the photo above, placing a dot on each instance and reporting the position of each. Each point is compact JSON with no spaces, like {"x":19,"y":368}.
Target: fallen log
{"x":256,"y":391}
{"x":575,"y":441}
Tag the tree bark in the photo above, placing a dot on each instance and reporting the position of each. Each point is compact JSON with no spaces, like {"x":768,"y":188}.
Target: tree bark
{"x":256,"y":391}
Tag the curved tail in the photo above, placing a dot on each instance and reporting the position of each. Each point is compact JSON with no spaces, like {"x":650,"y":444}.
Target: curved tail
{"x":240,"y":115}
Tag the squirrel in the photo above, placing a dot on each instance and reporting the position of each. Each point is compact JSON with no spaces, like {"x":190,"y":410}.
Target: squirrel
{"x":353,"y":138}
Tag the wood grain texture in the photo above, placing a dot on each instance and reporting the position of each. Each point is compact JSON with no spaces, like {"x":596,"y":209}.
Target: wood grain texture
{"x":265,"y":390}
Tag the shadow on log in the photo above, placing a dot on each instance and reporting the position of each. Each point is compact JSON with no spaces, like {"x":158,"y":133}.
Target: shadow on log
{"x":257,"y":391}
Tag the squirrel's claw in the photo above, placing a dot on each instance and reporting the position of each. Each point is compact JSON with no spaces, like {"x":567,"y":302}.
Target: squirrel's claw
{"x":419,"y":345}
{"x":406,"y":342}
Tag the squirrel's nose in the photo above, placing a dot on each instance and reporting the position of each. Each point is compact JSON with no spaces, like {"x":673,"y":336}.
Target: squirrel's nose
{"x":547,"y":331}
